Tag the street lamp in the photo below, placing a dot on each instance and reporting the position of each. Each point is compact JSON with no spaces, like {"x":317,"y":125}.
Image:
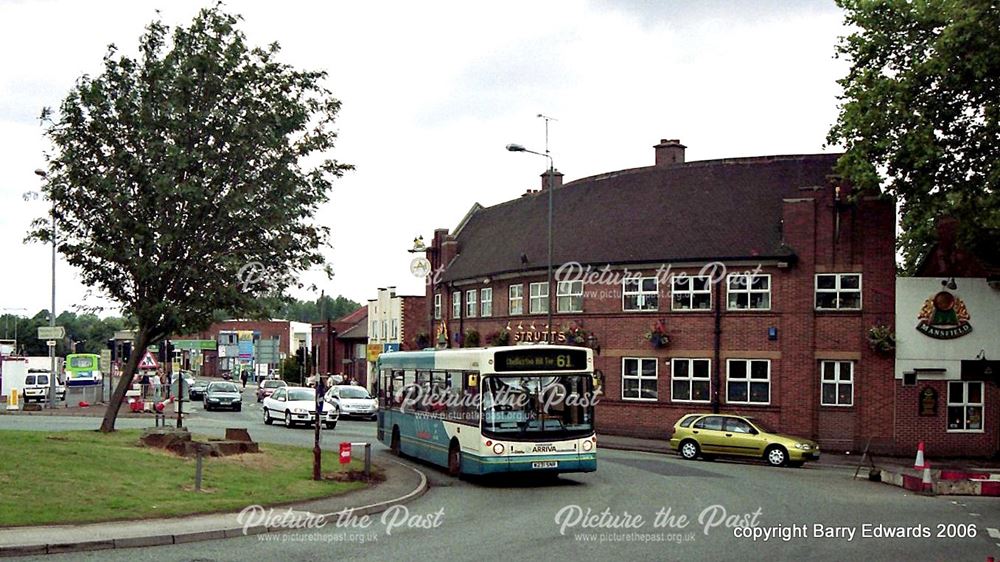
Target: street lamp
{"x":551,"y":173}
{"x":52,"y":314}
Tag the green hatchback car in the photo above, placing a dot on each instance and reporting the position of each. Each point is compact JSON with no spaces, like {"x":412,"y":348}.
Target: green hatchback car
{"x":708,"y":435}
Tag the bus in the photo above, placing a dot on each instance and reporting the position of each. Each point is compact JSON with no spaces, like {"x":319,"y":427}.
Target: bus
{"x":83,"y":369}
{"x":489,"y":410}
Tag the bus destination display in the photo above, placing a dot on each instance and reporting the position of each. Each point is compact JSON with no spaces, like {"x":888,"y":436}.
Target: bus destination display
{"x":541,"y":360}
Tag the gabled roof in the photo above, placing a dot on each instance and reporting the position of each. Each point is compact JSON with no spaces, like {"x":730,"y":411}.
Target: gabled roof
{"x":698,"y":212}
{"x":358,"y":315}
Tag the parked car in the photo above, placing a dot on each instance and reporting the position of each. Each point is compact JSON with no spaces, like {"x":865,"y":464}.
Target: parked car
{"x":223,"y":395}
{"x":36,"y":387}
{"x":267,"y":387}
{"x":707,"y":435}
{"x":353,"y":401}
{"x":297,"y":404}
{"x":197,"y":390}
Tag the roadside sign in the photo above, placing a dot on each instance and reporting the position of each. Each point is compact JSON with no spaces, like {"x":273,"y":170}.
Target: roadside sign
{"x":51,"y":343}
{"x":148,"y":361}
{"x":345,"y":453}
{"x":105,"y":360}
{"x":51,"y":332}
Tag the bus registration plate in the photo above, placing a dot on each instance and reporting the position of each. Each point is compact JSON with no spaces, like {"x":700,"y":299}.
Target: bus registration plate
{"x":545,"y":464}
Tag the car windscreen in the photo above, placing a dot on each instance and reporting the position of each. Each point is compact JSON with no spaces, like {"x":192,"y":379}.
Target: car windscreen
{"x":222,"y":387}
{"x":353,"y":392}
{"x":301,"y":394}
{"x":274,"y":384}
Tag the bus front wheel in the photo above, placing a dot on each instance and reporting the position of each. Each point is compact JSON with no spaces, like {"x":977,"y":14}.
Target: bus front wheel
{"x":394,"y":444}
{"x":454,"y":459}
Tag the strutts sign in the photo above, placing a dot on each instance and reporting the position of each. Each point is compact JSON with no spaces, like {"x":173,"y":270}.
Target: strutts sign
{"x":944,"y":317}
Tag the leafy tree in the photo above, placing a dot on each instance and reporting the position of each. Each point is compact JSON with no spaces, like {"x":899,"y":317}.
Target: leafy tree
{"x":919,"y":115}
{"x":184,"y":177}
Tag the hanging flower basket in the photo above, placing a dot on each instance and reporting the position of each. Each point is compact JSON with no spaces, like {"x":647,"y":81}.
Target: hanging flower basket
{"x":658,"y":335}
{"x":881,"y":339}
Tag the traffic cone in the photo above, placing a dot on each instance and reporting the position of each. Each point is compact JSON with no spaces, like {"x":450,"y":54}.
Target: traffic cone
{"x":919,"y":463}
{"x":927,"y":485}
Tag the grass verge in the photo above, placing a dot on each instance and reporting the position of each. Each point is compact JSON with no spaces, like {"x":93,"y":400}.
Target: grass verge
{"x":87,"y":476}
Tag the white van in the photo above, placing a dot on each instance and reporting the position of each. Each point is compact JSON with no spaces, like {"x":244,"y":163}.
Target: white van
{"x":36,"y":386}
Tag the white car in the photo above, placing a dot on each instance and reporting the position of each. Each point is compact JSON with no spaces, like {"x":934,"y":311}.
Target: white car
{"x":297,"y":404}
{"x":353,"y":401}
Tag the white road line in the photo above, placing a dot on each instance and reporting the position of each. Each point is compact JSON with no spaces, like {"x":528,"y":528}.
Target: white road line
{"x":994,"y":533}
{"x":975,"y":515}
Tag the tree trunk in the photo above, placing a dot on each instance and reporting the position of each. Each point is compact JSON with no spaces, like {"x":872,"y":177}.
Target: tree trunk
{"x":138,"y":350}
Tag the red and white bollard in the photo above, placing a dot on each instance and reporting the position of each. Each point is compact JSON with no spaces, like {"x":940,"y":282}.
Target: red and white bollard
{"x":919,"y":463}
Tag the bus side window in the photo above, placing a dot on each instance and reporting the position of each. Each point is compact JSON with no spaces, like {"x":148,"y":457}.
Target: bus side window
{"x":396,"y":391}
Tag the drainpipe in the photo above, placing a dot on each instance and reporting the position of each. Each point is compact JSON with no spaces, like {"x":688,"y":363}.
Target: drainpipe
{"x":717,"y":362}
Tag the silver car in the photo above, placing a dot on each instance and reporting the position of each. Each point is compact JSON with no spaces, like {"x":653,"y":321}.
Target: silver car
{"x":223,"y":395}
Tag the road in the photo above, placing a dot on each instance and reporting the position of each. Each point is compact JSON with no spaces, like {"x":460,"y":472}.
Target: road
{"x":698,"y":503}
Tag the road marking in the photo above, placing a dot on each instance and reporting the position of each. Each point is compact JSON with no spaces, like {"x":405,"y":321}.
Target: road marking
{"x":975,"y":515}
{"x":994,"y":533}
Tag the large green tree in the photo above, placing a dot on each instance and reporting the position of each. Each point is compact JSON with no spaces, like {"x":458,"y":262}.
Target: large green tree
{"x":920,"y":115}
{"x":186,"y":179}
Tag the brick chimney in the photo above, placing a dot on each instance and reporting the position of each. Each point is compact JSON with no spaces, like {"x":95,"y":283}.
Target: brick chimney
{"x":557,"y":178}
{"x":669,"y":152}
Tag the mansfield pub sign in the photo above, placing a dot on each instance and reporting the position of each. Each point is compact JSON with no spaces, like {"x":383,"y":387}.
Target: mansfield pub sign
{"x":944,"y":317}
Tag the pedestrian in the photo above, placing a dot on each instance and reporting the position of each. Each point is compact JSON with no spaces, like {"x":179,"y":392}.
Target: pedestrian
{"x":155,"y":379}
{"x":243,"y":377}
{"x":144,"y":382}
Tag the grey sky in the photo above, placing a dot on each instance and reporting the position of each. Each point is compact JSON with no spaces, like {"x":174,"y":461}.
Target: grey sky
{"x":432,"y":91}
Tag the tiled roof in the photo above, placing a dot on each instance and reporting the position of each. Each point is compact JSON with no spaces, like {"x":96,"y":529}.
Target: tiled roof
{"x":698,"y":211}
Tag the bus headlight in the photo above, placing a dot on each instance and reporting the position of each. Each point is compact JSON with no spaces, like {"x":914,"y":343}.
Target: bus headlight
{"x":588,"y":445}
{"x":498,"y":448}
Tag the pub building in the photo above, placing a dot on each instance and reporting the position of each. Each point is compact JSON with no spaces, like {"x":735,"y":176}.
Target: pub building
{"x":948,"y":352}
{"x":740,"y":285}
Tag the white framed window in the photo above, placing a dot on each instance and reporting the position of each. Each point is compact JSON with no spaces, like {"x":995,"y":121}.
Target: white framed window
{"x":374,"y":330}
{"x":456,"y":304}
{"x":837,"y":384}
{"x":638,"y":379}
{"x":838,"y":291}
{"x":569,"y":296}
{"x":691,"y":292}
{"x":470,"y":303}
{"x":395,"y":329}
{"x":690,"y":381}
{"x":965,"y":406}
{"x":515,"y":299}
{"x":539,"y":298}
{"x":437,"y":306}
{"x":385,"y":329}
{"x":486,"y":302}
{"x":748,"y":381}
{"x":640,"y":293}
{"x":749,"y":291}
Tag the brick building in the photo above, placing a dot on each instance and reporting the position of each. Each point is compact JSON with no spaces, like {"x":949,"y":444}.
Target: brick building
{"x":328,"y":335}
{"x":787,"y":344}
{"x":239,"y":344}
{"x":947,"y":336}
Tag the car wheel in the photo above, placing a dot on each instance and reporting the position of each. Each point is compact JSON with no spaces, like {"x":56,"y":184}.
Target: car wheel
{"x":238,"y":408}
{"x":454,"y":459}
{"x":776,"y":456}
{"x":690,"y":450}
{"x":267,"y":417}
{"x":394,"y":443}
{"x":207,"y":408}
{"x":288,"y":419}
{"x":329,"y":425}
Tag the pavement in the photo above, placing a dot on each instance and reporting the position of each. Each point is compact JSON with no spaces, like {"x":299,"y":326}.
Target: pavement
{"x":402,"y":484}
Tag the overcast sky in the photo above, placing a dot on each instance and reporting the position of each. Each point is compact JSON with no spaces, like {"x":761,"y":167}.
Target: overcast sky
{"x":433,"y":91}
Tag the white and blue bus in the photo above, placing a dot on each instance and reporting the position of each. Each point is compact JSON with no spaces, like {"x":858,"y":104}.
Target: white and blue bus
{"x":490,"y":410}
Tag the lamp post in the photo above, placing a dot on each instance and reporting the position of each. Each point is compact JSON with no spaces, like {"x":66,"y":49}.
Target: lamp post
{"x":550,"y":174}
{"x":52,"y":314}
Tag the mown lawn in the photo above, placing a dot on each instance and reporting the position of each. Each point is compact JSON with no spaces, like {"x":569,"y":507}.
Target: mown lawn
{"x":85,"y":476}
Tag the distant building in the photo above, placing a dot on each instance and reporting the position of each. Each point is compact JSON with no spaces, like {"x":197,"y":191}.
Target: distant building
{"x":395,"y":323}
